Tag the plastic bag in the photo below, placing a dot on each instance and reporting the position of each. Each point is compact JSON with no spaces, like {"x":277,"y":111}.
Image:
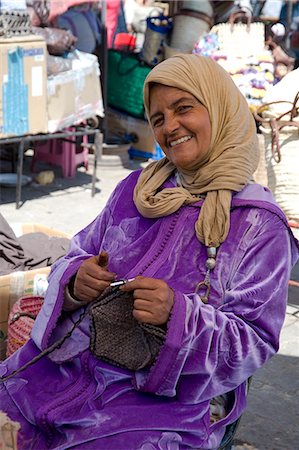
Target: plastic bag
{"x":57,"y":64}
{"x":158,"y":28}
{"x":58,"y":41}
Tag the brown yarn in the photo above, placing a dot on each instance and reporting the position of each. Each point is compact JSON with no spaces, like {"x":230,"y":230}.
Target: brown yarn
{"x":117,"y":337}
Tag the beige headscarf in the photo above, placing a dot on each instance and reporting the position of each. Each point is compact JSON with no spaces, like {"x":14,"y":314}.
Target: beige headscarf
{"x":231,"y":160}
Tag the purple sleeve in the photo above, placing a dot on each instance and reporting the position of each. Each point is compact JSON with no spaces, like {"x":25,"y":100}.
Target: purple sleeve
{"x":83,"y":245}
{"x":210,"y":351}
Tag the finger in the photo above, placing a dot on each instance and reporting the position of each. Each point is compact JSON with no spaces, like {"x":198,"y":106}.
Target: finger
{"x":106,"y":276}
{"x":143,"y":305}
{"x":91,"y":283}
{"x":95,"y":280}
{"x":96,"y":272}
{"x":145,"y":294}
{"x":85,"y":293}
{"x":103,"y":259}
{"x":141,"y":283}
{"x":144,"y":317}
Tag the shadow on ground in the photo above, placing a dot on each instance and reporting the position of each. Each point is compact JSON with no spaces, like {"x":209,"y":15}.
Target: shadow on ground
{"x":82,"y":180}
{"x":271,"y":419}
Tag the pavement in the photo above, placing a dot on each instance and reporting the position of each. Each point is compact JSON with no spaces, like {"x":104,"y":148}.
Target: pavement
{"x":272,"y":417}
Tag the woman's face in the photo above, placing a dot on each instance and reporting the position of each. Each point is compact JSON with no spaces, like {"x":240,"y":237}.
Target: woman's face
{"x":181,"y":125}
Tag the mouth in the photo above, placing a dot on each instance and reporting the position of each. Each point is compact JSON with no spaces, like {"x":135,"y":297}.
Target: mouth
{"x":179,"y":141}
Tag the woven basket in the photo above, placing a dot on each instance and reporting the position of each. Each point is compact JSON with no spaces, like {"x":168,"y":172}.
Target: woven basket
{"x":281,"y":134}
{"x":283,"y":176}
{"x":21,"y":320}
{"x":240,"y":39}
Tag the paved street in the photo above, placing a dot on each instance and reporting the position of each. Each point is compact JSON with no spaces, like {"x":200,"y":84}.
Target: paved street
{"x":272,"y":418}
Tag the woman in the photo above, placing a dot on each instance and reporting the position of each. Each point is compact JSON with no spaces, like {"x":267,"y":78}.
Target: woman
{"x":209,"y":254}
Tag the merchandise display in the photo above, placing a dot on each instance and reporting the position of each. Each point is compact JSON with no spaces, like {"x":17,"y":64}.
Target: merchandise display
{"x":126,"y":75}
{"x":72,"y":89}
{"x":242,"y":52}
{"x":74,"y":95}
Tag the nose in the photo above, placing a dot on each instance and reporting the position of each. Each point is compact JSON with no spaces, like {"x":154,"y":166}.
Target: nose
{"x":171,"y":124}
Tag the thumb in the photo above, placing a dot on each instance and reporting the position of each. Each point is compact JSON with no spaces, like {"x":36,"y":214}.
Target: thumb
{"x":103,"y":259}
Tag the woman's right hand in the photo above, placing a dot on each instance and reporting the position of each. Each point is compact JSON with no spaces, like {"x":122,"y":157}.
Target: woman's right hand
{"x":93,"y":277}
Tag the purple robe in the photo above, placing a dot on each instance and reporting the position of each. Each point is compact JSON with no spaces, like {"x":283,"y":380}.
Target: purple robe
{"x":73,"y":400}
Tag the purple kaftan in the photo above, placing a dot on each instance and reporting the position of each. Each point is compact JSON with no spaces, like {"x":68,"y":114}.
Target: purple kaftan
{"x":73,"y":400}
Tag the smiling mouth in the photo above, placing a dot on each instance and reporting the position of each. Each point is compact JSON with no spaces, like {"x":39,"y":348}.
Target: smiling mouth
{"x":180,"y":141}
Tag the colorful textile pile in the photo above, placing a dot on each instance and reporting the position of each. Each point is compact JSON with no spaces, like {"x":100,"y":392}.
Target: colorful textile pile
{"x":253,"y":75}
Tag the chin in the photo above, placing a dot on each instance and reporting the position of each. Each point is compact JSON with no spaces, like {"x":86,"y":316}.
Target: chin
{"x":184,"y":166}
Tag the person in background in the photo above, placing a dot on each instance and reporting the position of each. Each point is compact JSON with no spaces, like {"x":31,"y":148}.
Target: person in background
{"x":289,"y":17}
{"x":208,"y":255}
{"x":223,"y":9}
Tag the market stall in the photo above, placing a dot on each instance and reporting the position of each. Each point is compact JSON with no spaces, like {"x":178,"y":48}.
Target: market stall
{"x":249,"y":47}
{"x":50,"y":91}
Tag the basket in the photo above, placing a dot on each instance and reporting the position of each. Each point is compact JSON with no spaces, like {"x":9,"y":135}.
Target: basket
{"x":188,"y":26}
{"x":281,"y":135}
{"x":283,"y":176}
{"x":157,"y":30}
{"x":21,"y":320}
{"x":240,"y":39}
{"x":126,"y":75}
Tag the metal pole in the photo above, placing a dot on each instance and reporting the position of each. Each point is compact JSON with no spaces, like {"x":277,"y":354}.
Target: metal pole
{"x":289,"y":14}
{"x":104,"y":65}
{"x":19,"y":173}
{"x":43,"y":137}
{"x":98,"y":150}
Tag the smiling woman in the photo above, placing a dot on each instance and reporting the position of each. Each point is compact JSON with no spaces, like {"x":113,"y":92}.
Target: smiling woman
{"x":207,"y":256}
{"x":181,"y":125}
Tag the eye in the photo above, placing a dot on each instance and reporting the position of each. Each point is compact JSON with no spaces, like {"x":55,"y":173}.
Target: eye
{"x":158,"y":121}
{"x":184,"y":108}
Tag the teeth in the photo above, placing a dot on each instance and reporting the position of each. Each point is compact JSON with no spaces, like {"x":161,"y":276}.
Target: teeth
{"x":179,"y":141}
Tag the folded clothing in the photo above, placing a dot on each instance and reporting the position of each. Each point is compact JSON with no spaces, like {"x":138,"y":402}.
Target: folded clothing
{"x":29,"y":251}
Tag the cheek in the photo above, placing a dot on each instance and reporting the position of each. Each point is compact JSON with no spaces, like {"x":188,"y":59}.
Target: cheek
{"x":207,"y":131}
{"x":158,"y":137}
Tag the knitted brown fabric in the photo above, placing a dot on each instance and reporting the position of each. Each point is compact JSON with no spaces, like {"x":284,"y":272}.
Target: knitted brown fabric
{"x":117,"y":337}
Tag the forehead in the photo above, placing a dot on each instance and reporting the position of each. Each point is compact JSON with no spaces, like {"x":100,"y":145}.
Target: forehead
{"x":167,"y":96}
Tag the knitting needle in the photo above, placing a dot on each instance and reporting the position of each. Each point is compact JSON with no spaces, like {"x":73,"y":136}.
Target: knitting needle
{"x":120,"y":282}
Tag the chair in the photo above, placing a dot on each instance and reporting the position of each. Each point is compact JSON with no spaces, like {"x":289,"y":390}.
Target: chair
{"x":227,"y":440}
{"x":231,"y":429}
{"x":63,"y":153}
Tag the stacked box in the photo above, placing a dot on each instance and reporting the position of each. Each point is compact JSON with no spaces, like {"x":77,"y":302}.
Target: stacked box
{"x":23,"y":80}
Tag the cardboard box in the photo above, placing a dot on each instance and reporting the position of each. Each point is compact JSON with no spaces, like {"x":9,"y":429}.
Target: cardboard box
{"x":31,"y":227}
{"x":22,"y":283}
{"x":121,"y":124}
{"x":75,"y":95}
{"x":23,"y":80}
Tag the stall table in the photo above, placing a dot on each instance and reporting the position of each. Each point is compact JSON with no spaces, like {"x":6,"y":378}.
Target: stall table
{"x":79,"y":131}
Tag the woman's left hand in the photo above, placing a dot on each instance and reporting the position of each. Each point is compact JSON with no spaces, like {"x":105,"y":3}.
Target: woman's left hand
{"x":153,"y":300}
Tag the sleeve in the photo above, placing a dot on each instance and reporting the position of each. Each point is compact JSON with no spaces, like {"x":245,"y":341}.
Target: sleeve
{"x":83,"y":245}
{"x":211,"y":351}
{"x":70,"y":303}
